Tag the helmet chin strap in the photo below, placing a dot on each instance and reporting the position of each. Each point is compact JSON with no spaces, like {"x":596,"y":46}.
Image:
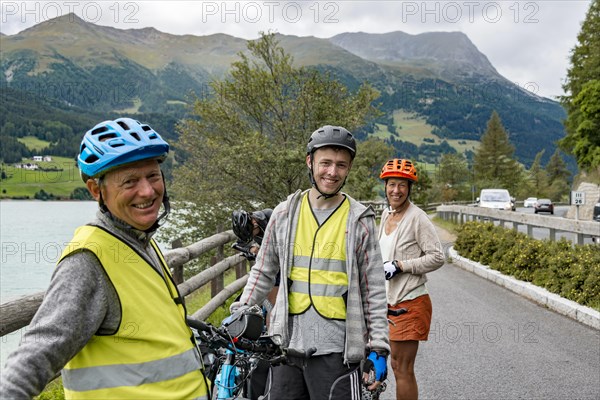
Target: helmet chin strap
{"x":314,"y":183}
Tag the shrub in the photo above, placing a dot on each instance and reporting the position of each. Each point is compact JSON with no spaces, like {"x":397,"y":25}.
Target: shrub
{"x":572,"y":271}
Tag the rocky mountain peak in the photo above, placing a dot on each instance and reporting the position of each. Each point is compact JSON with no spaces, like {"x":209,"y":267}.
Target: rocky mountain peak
{"x":450,"y":53}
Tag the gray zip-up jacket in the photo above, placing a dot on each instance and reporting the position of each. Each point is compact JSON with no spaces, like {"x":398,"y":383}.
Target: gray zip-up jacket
{"x":366,"y":312}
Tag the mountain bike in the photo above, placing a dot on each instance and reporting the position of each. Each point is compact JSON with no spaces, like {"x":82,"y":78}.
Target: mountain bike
{"x":232,"y":351}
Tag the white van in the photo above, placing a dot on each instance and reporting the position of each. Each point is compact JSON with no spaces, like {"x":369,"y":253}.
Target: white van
{"x":496,"y":198}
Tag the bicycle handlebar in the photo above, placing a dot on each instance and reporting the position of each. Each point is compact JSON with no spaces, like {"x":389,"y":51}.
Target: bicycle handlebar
{"x":264,"y":345}
{"x":199,"y":325}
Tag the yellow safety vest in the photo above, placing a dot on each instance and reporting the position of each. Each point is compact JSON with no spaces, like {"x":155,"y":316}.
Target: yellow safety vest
{"x":318,"y":272}
{"x":151,"y":355}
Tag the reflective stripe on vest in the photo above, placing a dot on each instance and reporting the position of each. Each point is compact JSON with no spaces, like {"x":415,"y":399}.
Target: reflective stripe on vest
{"x":318,"y":272}
{"x":151,"y":355}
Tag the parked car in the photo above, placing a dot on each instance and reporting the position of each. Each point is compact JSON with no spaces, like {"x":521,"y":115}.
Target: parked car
{"x":529,"y":202}
{"x":498,"y":199}
{"x":544,"y":205}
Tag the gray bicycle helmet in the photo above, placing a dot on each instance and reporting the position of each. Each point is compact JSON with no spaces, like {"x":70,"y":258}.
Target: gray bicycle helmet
{"x":335,"y":136}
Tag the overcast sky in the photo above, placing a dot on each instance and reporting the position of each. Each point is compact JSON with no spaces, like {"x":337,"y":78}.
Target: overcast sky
{"x":528,"y":42}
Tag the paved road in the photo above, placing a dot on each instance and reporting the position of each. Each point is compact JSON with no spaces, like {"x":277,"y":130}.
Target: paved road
{"x":488,"y":343}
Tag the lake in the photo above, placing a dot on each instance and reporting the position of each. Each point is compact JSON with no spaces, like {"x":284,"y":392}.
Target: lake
{"x":32,"y":237}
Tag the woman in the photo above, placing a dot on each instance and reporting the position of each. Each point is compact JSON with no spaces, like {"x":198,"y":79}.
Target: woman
{"x":410,"y":244}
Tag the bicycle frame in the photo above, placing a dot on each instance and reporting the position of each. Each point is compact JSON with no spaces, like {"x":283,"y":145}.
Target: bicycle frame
{"x":225,"y":385}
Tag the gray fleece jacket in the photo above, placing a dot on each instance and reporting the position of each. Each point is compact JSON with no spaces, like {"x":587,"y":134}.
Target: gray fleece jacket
{"x":366,"y":313}
{"x":80,"y":302}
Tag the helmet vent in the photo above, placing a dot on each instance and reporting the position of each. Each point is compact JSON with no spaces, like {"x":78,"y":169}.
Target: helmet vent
{"x":123,"y":125}
{"x":99,"y":130}
{"x":135,"y":135}
{"x":91,"y":159}
{"x":104,"y":138}
{"x":146,"y":128}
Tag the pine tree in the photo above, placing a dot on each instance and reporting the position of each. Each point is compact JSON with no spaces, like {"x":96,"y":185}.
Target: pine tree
{"x":493,"y":163}
{"x":582,"y":98}
{"x":558,"y":177}
{"x":538,"y":177}
{"x":556,"y":168}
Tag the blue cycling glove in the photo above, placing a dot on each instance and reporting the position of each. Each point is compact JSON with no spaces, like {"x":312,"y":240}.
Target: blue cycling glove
{"x":378,"y":363}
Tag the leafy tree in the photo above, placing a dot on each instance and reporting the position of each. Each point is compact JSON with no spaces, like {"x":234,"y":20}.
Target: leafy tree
{"x":420,"y":190}
{"x":80,"y":193}
{"x":245,"y":147}
{"x":494,"y":164}
{"x":582,"y":98}
{"x":364,"y":176}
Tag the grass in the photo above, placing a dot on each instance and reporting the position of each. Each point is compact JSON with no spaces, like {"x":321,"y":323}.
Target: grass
{"x":134,"y":109}
{"x":447,"y":225}
{"x":53,"y":391}
{"x":200,"y":297}
{"x":414,"y":129}
{"x":22,"y":183}
{"x":33,"y":143}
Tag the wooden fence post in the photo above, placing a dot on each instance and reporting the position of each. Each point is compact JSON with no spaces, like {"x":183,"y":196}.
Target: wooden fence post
{"x":177,"y":270}
{"x":240,"y":269}
{"x":217,"y":284}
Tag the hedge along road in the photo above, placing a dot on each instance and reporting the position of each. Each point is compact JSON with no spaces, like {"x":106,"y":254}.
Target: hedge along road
{"x":489,"y":343}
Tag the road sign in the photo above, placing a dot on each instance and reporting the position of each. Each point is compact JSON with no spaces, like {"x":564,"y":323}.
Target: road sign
{"x":577,"y":198}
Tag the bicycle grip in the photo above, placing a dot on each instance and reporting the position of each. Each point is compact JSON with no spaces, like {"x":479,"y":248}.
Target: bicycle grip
{"x":197,"y":324}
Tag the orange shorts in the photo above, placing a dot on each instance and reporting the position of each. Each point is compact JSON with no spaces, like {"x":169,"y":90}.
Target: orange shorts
{"x":414,"y":324}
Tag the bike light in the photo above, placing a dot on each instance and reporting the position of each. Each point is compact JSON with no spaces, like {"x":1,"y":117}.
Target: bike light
{"x":247,"y":323}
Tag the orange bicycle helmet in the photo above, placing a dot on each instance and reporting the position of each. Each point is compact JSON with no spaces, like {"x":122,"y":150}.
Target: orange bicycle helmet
{"x":399,"y":168}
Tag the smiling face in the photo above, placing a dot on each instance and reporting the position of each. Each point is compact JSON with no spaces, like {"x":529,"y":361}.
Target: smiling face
{"x":331,"y":166}
{"x":397,"y":190}
{"x":132,"y":193}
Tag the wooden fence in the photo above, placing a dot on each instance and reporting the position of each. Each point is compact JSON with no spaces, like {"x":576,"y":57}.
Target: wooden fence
{"x":17,"y":314}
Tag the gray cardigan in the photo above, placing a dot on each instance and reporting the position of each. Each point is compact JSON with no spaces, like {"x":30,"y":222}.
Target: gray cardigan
{"x":366,"y":313}
{"x":417,"y":246}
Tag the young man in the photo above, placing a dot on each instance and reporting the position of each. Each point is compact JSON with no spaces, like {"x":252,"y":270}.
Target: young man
{"x":112,"y":318}
{"x":332,"y":292}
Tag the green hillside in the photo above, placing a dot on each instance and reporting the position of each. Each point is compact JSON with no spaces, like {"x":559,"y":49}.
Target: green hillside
{"x":62,"y":76}
{"x":58,"y":178}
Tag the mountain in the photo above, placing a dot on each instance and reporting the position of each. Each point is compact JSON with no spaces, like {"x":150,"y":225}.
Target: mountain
{"x":449,"y":55}
{"x":439,"y":76}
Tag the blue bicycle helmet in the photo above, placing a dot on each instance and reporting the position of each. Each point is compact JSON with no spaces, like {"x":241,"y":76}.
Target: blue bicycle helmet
{"x":114,"y":143}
